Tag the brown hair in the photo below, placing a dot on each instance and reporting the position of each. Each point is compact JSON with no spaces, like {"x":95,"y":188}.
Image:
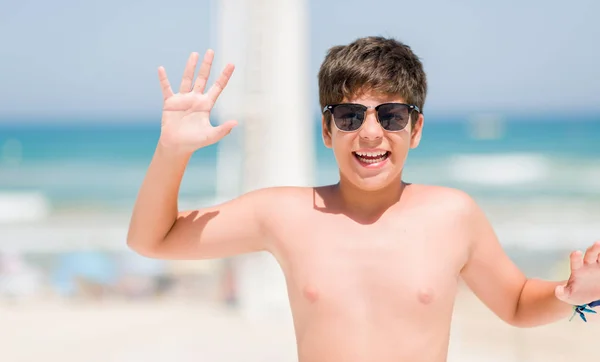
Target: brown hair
{"x":375,"y":64}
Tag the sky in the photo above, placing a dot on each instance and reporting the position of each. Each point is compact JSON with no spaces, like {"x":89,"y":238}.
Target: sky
{"x":73,"y":58}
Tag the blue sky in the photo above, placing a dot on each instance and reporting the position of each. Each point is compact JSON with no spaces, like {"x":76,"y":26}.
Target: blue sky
{"x":66,"y":57}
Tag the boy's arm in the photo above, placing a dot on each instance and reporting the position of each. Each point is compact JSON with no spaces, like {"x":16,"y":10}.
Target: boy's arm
{"x":500,"y":285}
{"x":158,"y":230}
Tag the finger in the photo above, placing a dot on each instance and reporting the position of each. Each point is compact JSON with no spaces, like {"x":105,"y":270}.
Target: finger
{"x":591,"y":254}
{"x":204,"y":72}
{"x":576,"y":260}
{"x":221,"y":83}
{"x":165,"y":86}
{"x":224,"y":129}
{"x":188,"y":74}
{"x":560,"y":292}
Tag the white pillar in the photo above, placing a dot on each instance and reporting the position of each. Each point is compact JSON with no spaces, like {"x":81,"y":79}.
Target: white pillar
{"x":279,"y":127}
{"x":277,"y":122}
{"x":231,"y":23}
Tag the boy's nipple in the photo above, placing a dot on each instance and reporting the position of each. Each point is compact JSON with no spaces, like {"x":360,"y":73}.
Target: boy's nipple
{"x":426,"y":296}
{"x":311,"y":294}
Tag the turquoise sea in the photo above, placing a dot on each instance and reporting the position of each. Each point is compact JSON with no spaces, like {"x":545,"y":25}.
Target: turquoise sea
{"x":100,"y":165}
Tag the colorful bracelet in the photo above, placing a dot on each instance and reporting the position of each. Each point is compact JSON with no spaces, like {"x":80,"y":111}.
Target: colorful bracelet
{"x":580,"y":309}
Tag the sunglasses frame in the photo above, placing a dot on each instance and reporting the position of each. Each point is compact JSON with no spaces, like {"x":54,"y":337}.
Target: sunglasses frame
{"x":330,"y":107}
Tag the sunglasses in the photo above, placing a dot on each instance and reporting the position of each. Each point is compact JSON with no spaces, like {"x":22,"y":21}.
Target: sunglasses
{"x":349,"y":117}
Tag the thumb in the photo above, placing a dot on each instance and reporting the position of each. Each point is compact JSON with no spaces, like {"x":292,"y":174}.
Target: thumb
{"x":224,"y":129}
{"x":561,"y":293}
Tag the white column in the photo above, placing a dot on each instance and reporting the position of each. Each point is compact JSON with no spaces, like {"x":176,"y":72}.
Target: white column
{"x":279,"y":127}
{"x":277,"y":124}
{"x":231,"y":23}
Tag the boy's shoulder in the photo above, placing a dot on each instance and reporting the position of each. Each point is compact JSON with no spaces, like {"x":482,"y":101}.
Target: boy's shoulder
{"x":294,"y":198}
{"x":278,"y":197}
{"x":284,"y":193}
{"x":442,"y":198}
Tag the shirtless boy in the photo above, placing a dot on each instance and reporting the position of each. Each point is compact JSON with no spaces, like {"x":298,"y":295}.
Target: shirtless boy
{"x":372,"y":263}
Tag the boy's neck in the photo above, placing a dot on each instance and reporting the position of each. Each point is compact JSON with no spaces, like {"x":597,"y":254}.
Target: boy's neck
{"x":368,"y":205}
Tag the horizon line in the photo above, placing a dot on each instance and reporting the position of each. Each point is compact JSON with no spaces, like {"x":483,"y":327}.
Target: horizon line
{"x":436,"y":116}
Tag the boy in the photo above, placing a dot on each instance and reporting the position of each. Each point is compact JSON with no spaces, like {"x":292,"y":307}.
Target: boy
{"x":372,"y":263}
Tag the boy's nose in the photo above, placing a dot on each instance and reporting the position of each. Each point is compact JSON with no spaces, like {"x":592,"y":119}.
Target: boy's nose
{"x":371,"y":130}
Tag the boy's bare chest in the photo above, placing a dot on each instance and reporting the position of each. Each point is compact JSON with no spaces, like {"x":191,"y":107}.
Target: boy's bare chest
{"x":400,"y":264}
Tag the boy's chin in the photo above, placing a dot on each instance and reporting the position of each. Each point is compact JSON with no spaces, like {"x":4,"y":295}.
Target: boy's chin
{"x":374,"y":183}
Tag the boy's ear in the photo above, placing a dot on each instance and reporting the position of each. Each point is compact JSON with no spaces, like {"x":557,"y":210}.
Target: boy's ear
{"x":325,"y":132}
{"x":416,"y":132}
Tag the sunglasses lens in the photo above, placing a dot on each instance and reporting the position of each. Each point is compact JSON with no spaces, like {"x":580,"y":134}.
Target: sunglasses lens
{"x":348,"y":117}
{"x":393,"y":117}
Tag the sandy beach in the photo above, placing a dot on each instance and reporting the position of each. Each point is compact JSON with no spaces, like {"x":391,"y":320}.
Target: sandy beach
{"x":185,"y":330}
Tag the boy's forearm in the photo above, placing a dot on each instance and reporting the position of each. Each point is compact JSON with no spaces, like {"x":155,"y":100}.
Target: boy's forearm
{"x":156,"y":207}
{"x":538,"y":305}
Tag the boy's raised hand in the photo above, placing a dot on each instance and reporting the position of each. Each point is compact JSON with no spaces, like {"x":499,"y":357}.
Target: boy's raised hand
{"x":583,"y":286}
{"x":186,"y":115}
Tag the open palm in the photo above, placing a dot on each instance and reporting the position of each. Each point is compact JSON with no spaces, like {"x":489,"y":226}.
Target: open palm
{"x":186,"y":123}
{"x":583,"y":285}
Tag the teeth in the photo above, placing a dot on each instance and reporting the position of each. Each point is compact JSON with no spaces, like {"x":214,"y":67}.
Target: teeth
{"x":368,"y":157}
{"x":372,"y":154}
{"x":371,"y":160}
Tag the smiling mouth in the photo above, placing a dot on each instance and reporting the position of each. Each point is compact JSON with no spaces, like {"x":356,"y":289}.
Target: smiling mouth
{"x":371,"y":157}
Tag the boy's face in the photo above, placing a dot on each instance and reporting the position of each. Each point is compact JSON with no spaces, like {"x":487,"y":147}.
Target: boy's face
{"x":358,"y":153}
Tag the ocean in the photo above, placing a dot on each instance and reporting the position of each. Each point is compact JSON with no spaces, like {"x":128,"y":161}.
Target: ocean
{"x":543,"y":164}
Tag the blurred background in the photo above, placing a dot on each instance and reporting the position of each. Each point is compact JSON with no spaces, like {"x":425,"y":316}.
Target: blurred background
{"x":512,"y":117}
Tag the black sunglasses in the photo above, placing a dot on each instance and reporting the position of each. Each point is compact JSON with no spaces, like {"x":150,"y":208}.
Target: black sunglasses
{"x":349,"y":117}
